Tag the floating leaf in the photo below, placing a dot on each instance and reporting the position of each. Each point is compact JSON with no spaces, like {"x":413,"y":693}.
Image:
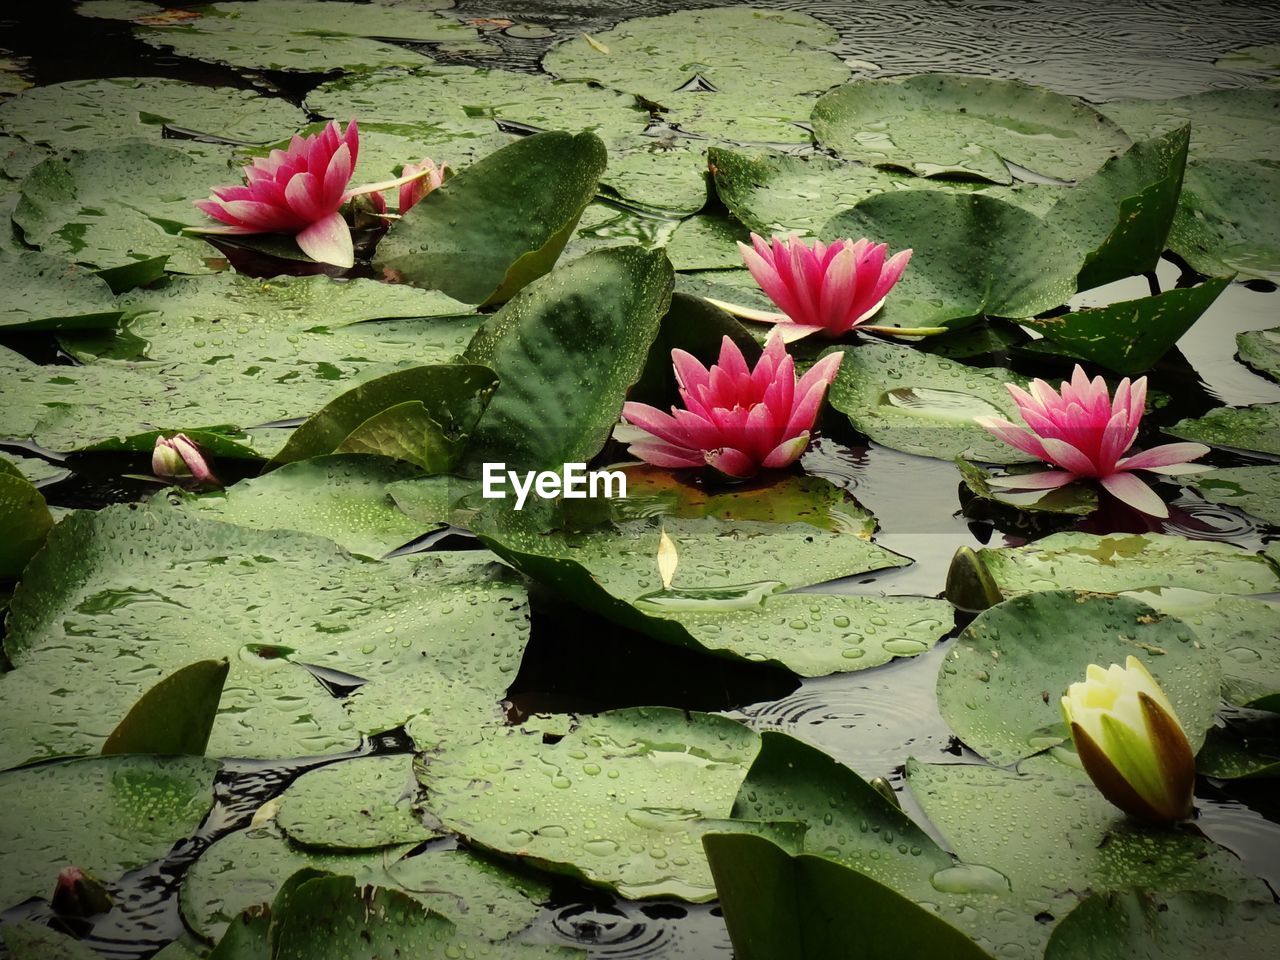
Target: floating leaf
{"x":974,"y":255}
{"x":119,"y":205}
{"x":1255,"y":490}
{"x":1225,"y":124}
{"x":566,"y":351}
{"x":919,"y":403}
{"x":1075,"y":498}
{"x":27,"y":940}
{"x":1260,"y":349}
{"x":317,"y":809}
{"x":174,"y":717}
{"x":144,"y":591}
{"x":1120,"y":216}
{"x":343,"y":498}
{"x":1109,"y":564}
{"x":1227,"y":218}
{"x":1243,"y":749}
{"x":621,"y":800}
{"x":47,"y":293}
{"x":501,"y":222}
{"x":1244,"y":428}
{"x":941,"y":124}
{"x":24,"y":520}
{"x":1131,"y":336}
{"x":1142,"y":925}
{"x":1001,"y":681}
{"x":80,"y":114}
{"x":451,"y":398}
{"x":707,"y":242}
{"x":110,"y":814}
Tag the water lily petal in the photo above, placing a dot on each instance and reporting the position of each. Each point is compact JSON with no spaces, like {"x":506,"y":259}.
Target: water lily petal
{"x":1045,"y":480}
{"x":1165,"y":455}
{"x":731,"y":462}
{"x":787,"y":452}
{"x":666,"y":455}
{"x":1131,"y":490}
{"x":654,"y":421}
{"x":328,"y":240}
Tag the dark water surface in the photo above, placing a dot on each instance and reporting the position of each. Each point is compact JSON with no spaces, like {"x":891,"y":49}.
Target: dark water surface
{"x":871,"y":720}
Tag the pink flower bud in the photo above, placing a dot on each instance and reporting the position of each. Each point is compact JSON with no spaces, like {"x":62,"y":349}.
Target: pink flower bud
{"x":427,"y":178}
{"x":178,"y":457}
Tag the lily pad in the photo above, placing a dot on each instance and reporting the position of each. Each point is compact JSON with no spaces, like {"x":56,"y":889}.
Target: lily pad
{"x":47,"y":293}
{"x":39,"y":471}
{"x":1227,"y":217}
{"x":80,"y":114}
{"x":27,"y":940}
{"x":1254,"y":490}
{"x":144,"y":591}
{"x":176,"y":716}
{"x":1243,"y":749}
{"x":566,"y":351}
{"x":622,"y":800}
{"x":736,"y":73}
{"x":501,"y":222}
{"x":341,"y":497}
{"x":435,"y":410}
{"x":1260,"y":349}
{"x":1140,"y":925}
{"x":111,"y":814}
{"x":1000,"y":683}
{"x":358,"y":804}
{"x":1244,"y":428}
{"x":121,"y":205}
{"x":1110,"y":564}
{"x":923,"y":404}
{"x":1075,"y":498}
{"x":1121,"y":215}
{"x":1236,"y":124}
{"x":1070,"y":838}
{"x":1131,"y":336}
{"x":24,"y":520}
{"x":974,"y":256}
{"x":943,"y":124}
{"x":707,"y":242}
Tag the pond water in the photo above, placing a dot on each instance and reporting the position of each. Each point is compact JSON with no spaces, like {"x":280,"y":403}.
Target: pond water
{"x":872,"y":720}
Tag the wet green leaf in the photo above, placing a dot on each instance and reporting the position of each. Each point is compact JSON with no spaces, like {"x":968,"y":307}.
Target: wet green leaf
{"x":923,"y":404}
{"x":24,"y":520}
{"x":1141,"y":925}
{"x":107,"y":815}
{"x":1234,"y":124}
{"x":1131,"y":336}
{"x":1260,"y":349}
{"x":1244,"y":428}
{"x":80,"y":114}
{"x":1254,"y":490}
{"x":176,"y":716}
{"x":707,"y":242}
{"x":450,"y":397}
{"x":1075,"y":498}
{"x":1001,"y":681}
{"x":622,"y":800}
{"x":144,"y":591}
{"x":343,"y":498}
{"x":358,"y":804}
{"x":943,"y":124}
{"x":28,"y":940}
{"x":115,"y":205}
{"x":1245,"y":748}
{"x":566,"y":350}
{"x":501,"y":222}
{"x":1109,"y":564}
{"x":1227,"y":217}
{"x":1120,"y":216}
{"x":974,"y":255}
{"x":47,"y":293}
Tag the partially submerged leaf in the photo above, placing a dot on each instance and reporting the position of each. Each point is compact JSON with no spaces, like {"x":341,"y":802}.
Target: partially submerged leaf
{"x":1075,"y":498}
{"x":1256,"y":427}
{"x":174,"y":717}
{"x":48,"y":293}
{"x":1260,"y":349}
{"x":24,"y":520}
{"x":1227,"y":218}
{"x":1255,"y":490}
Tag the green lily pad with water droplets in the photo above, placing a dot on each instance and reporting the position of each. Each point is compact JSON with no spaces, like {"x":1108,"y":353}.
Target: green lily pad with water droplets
{"x":1256,"y":427}
{"x":1068,"y":836}
{"x":924,"y":404}
{"x":1227,"y":217}
{"x":115,"y":206}
{"x":122,"y":597}
{"x":27,"y":940}
{"x":1255,"y":490}
{"x":105,"y":815}
{"x":1000,"y":684}
{"x":1144,"y":925}
{"x":357,"y":804}
{"x":1245,"y":748}
{"x":1116,"y":562}
{"x":1237,"y":124}
{"x":942,"y":124}
{"x":80,"y":114}
{"x":1075,"y":498}
{"x":48,"y":293}
{"x":973,"y":255}
{"x":343,"y":498}
{"x":622,"y":800}
{"x":1131,"y":336}
{"x":24,"y":519}
{"x":1260,"y":349}
{"x":174,"y":717}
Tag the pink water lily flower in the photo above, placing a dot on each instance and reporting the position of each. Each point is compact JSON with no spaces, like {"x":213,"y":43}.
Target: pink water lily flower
{"x":1086,"y":433}
{"x":736,"y":419}
{"x":299,"y":191}
{"x":820,"y":288}
{"x":179,"y":458}
{"x":429,"y":177}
